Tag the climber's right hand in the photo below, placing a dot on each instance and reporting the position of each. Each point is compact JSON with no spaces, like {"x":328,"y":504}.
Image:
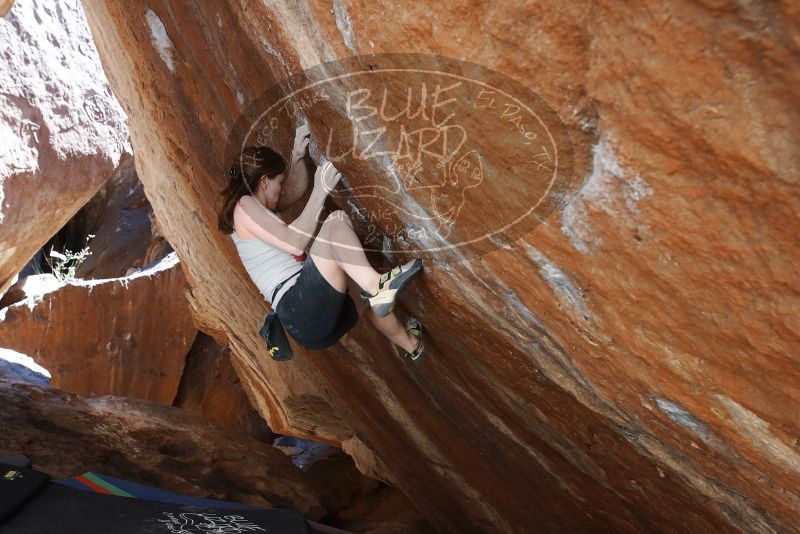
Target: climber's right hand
{"x":326,"y":178}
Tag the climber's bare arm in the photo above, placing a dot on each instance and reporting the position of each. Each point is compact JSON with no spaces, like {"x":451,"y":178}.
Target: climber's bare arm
{"x":267,"y":226}
{"x":270,"y":228}
{"x":298,"y":176}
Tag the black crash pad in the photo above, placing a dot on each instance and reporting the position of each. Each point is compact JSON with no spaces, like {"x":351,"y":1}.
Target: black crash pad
{"x":18,"y":485}
{"x":64,"y":510}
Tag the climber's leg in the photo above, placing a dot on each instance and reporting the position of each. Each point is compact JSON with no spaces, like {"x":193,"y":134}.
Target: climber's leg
{"x":391,"y":327}
{"x":338,"y":254}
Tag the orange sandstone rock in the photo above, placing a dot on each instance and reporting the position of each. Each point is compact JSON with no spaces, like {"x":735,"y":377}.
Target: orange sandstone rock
{"x":124,"y":336}
{"x":121,"y":220}
{"x":62,"y":131}
{"x":630,"y":364}
{"x":209,"y":386}
{"x":66,"y":435}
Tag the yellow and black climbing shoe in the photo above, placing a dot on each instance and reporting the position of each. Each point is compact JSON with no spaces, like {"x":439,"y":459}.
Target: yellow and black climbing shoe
{"x":389,"y":284}
{"x":414,"y":327}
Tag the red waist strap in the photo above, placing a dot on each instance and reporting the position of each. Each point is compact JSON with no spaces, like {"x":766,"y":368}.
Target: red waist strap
{"x":301,"y":258}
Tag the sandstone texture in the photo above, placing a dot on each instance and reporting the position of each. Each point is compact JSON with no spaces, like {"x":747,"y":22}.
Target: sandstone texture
{"x":66,"y":435}
{"x":117,"y":227}
{"x":62,"y":132}
{"x":126,"y":235}
{"x":123,"y":237}
{"x":628,"y":365}
{"x":359,"y":503}
{"x":125,"y":336}
{"x":210,"y":387}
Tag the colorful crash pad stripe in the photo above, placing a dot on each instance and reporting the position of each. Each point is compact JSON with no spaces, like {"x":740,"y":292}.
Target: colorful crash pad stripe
{"x":141,"y":491}
{"x":97,"y":484}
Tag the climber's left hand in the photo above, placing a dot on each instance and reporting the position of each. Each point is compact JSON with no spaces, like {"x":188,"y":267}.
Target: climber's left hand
{"x":301,"y":136}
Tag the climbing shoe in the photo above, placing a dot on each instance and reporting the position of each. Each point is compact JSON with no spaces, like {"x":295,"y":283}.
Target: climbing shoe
{"x":414,"y":327}
{"x":389,"y":284}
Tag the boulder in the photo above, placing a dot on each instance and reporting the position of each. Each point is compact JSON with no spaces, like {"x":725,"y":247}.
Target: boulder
{"x":66,"y":435}
{"x":125,"y":336}
{"x":18,"y":367}
{"x":62,"y":132}
{"x":628,"y":364}
{"x":121,"y":220}
{"x":385,"y":511}
{"x":355,"y":503}
{"x":209,"y":386}
{"x":117,"y":228}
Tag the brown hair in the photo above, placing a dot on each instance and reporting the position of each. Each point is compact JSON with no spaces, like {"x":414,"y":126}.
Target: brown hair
{"x":243,"y":176}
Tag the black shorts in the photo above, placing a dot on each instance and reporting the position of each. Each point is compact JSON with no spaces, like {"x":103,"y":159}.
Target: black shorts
{"x":313,"y":312}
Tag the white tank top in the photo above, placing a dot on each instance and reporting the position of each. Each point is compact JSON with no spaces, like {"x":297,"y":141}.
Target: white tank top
{"x":267,"y":266}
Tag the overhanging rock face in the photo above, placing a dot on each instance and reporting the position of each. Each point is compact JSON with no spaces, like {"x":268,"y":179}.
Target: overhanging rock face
{"x":630,"y":363}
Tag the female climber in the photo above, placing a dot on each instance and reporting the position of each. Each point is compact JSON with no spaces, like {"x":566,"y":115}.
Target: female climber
{"x":309,"y":291}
